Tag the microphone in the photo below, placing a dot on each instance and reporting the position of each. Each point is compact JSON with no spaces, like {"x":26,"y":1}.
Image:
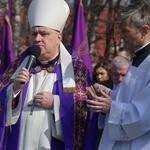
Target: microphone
{"x":33,"y":52}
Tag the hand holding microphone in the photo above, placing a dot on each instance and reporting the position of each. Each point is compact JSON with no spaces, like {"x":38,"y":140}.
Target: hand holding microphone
{"x":23,"y":75}
{"x":20,"y":79}
{"x":33,"y":52}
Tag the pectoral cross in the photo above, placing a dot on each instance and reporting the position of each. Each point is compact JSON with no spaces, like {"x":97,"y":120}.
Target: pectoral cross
{"x":32,"y":107}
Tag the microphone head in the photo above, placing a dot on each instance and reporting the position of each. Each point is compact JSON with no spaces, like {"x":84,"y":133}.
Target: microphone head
{"x":34,"y":50}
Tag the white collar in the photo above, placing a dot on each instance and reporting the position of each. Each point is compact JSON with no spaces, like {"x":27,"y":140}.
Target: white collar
{"x":141,"y":47}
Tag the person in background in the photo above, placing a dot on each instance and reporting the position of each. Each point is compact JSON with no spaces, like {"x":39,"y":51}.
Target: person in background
{"x":45,"y":107}
{"x":127,"y":124}
{"x":101,"y":71}
{"x":125,"y":53}
{"x":118,"y":68}
{"x":100,"y":74}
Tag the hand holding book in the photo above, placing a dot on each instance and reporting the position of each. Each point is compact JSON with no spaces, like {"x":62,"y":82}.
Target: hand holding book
{"x":95,"y":89}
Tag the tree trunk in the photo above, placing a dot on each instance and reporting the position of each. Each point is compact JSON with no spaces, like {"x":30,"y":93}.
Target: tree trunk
{"x":16,"y":25}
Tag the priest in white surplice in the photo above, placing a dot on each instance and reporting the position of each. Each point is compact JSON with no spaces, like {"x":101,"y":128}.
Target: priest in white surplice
{"x":44,"y":107}
{"x":127,"y":109}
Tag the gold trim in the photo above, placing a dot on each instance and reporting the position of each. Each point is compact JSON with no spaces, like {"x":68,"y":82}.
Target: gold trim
{"x":50,"y":69}
{"x":69,"y":90}
{"x":37,"y":68}
{"x":11,"y":80}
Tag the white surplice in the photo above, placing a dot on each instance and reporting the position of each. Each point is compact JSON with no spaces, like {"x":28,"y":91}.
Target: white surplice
{"x":127,"y":126}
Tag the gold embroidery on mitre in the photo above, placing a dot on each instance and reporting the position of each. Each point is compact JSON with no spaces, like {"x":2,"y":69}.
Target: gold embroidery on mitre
{"x":69,"y":90}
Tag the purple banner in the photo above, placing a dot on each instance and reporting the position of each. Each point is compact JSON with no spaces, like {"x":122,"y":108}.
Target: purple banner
{"x":79,"y":39}
{"x":6,"y":49}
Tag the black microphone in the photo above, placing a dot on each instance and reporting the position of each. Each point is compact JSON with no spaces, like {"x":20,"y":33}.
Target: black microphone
{"x":33,"y":52}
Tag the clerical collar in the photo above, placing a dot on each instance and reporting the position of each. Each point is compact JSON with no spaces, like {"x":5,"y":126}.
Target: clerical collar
{"x":142,"y":49}
{"x":141,"y":55}
{"x":51,"y":62}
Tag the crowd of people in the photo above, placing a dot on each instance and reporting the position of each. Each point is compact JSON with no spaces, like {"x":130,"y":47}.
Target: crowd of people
{"x":47,"y":106}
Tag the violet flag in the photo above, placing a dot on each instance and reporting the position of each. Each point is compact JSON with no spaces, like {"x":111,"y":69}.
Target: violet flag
{"x":79,"y":39}
{"x":6,"y":49}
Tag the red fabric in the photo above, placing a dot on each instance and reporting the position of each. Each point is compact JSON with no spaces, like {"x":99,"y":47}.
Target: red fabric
{"x":13,"y":103}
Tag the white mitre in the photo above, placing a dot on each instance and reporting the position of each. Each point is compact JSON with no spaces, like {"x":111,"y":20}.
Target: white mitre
{"x":48,"y":13}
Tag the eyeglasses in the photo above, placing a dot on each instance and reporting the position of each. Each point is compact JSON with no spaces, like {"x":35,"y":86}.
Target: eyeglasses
{"x":117,"y":74}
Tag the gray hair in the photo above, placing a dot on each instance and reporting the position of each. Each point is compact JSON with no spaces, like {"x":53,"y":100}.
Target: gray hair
{"x":119,"y":61}
{"x":138,"y":13}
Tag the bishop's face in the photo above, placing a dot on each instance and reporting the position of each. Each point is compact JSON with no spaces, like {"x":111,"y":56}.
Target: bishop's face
{"x":131,"y":36}
{"x":48,"y":40}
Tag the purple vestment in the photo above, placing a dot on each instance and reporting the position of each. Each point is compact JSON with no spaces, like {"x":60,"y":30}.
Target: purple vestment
{"x":79,"y":126}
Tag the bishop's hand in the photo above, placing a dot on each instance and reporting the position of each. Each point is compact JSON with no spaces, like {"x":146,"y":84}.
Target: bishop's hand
{"x":44,"y":100}
{"x":22,"y":77}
